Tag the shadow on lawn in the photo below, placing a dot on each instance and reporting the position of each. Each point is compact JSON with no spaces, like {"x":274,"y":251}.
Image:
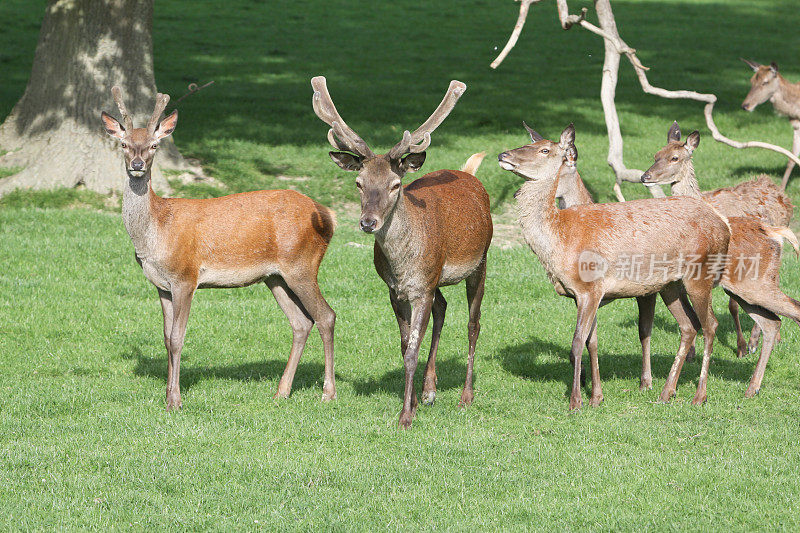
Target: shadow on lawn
{"x":523,"y":360}
{"x":308,"y":375}
{"x":450,"y":374}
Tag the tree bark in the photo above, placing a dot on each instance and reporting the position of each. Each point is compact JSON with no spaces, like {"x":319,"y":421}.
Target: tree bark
{"x":54,"y":132}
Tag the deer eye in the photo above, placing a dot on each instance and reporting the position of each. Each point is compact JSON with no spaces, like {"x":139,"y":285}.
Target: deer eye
{"x":124,"y":145}
{"x":358,"y":185}
{"x":395,"y":186}
{"x":674,"y":158}
{"x":154,"y":146}
{"x":544,"y":151}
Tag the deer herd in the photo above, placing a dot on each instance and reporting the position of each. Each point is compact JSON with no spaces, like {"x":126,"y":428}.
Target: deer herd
{"x":436,"y":231}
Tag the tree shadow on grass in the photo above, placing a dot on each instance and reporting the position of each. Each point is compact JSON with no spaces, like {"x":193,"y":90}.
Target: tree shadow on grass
{"x":450,"y":374}
{"x":308,"y":375}
{"x":523,"y":360}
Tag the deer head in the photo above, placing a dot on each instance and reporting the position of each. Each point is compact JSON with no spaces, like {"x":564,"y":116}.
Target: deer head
{"x":541,"y":157}
{"x":672,"y":161}
{"x":379,"y":179}
{"x":139,"y":144}
{"x":763,"y":84}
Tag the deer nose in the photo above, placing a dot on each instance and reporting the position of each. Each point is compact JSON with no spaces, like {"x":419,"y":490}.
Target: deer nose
{"x":746,"y":107}
{"x":137,"y":164}
{"x":645,"y":177}
{"x":368,"y":224}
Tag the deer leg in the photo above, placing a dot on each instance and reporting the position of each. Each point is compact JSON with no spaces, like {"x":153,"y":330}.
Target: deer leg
{"x":795,"y":151}
{"x":420,"y":314}
{"x":699,"y":291}
{"x":591,"y":347}
{"x":647,"y":310}
{"x":181,"y":305}
{"x":429,"y":380}
{"x":166,"y":309}
{"x":475,"y":286}
{"x":741,"y":345}
{"x":695,"y":321}
{"x":402,"y":312}
{"x":771,"y":324}
{"x":307,"y":291}
{"x":301,"y":324}
{"x":685,"y":317}
{"x":587,"y":311}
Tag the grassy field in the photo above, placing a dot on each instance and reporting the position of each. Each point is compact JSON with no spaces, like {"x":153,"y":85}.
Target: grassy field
{"x":84,"y":439}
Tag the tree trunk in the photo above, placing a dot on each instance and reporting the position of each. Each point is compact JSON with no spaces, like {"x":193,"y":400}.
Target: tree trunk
{"x":54,"y":132}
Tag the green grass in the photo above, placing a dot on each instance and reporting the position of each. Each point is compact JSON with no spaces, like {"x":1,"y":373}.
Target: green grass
{"x":84,"y":440}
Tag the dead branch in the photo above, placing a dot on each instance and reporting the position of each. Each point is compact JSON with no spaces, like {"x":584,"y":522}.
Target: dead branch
{"x":615,"y":47}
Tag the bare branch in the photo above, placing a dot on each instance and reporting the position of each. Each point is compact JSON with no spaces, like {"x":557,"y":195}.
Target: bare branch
{"x":615,"y":47}
{"x":524,"y":5}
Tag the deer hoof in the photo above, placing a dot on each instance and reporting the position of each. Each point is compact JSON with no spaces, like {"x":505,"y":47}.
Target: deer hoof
{"x":666,"y":395}
{"x":575,"y":403}
{"x":466,"y":398}
{"x":645,"y":384}
{"x":751,"y":393}
{"x":699,"y":399}
{"x":328,"y":395}
{"x":428,"y":397}
{"x":174,"y":404}
{"x":595,"y":401}
{"x":280,"y":395}
{"x":405,"y":420}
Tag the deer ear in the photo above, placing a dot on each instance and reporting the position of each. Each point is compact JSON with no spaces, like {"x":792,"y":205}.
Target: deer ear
{"x":773,"y":67}
{"x":167,"y":126}
{"x":567,"y":137}
{"x":752,"y":64}
{"x":674,"y":133}
{"x":413,"y":162}
{"x":534,"y":136}
{"x":692,"y":141}
{"x":346,"y":160}
{"x":112,"y":126}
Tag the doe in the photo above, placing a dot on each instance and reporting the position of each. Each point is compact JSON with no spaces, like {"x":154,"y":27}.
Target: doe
{"x":278,"y":237}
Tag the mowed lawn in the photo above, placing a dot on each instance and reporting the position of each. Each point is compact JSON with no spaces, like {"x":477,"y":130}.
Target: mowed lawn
{"x":85,"y":441}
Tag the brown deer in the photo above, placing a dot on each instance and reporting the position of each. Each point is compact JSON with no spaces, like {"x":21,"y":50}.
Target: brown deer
{"x":571,"y":192}
{"x":433,"y":232}
{"x":759,"y":198}
{"x":768,"y":84}
{"x":278,"y":237}
{"x":585,"y":250}
{"x":751,"y":275}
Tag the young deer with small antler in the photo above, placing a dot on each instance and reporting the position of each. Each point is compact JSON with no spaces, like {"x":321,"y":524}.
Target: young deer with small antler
{"x":752,"y":273}
{"x":759,"y":198}
{"x":278,"y":237}
{"x":768,"y":84}
{"x":586,"y":251}
{"x":433,"y":232}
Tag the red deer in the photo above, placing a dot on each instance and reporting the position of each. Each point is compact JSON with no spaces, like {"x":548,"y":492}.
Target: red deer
{"x":433,"y":232}
{"x":768,"y":84}
{"x":583,"y":247}
{"x":278,"y":237}
{"x":751,"y":275}
{"x":759,"y":198}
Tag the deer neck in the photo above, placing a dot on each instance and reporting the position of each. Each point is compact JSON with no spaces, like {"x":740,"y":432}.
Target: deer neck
{"x":538,"y":217}
{"x":571,"y":188}
{"x":397,"y":237}
{"x":786,"y":99}
{"x":137,"y":205}
{"x":686,"y":184}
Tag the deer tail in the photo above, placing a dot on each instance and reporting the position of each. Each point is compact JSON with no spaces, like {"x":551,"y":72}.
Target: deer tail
{"x":779,"y":233}
{"x":472,"y":164}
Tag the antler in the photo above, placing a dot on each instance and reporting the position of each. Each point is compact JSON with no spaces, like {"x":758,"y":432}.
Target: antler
{"x":116,"y":92}
{"x":161,"y":103}
{"x":341,"y":136}
{"x":421,"y":138}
